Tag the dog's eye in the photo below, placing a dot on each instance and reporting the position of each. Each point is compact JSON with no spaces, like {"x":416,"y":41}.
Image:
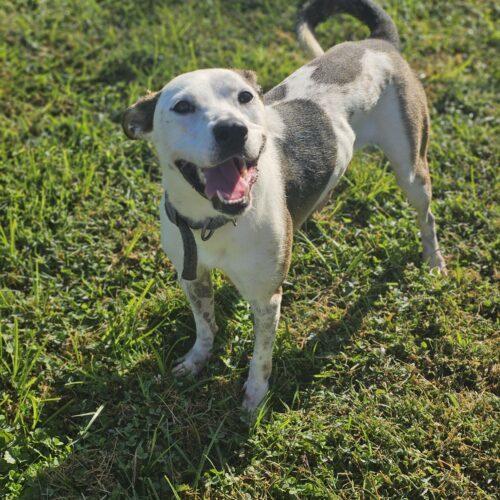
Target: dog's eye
{"x":183,"y":107}
{"x":244,"y":97}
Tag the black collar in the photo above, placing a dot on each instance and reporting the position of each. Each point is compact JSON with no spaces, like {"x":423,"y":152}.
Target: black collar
{"x":185,"y":225}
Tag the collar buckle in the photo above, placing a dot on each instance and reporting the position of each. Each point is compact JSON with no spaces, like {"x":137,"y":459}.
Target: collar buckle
{"x":206,"y":230}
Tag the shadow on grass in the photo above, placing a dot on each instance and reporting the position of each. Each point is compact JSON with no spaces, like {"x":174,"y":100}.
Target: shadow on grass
{"x":143,"y":429}
{"x":309,"y":360}
{"x":131,"y":430}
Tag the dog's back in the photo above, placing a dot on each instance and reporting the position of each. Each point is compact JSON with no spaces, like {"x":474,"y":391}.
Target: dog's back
{"x":324,"y":107}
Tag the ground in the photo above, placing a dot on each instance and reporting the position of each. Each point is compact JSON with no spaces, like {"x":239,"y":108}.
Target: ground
{"x":385,"y":382}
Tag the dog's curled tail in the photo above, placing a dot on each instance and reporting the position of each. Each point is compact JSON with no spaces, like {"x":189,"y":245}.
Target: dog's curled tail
{"x":367,"y":11}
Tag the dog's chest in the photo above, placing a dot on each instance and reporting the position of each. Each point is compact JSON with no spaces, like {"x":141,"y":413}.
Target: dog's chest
{"x":251,"y":254}
{"x":250,"y":257}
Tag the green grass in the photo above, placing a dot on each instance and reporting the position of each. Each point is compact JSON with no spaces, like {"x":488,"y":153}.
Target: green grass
{"x":385,"y":381}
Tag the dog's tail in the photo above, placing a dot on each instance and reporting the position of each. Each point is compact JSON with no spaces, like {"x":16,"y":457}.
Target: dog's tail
{"x":315,"y":12}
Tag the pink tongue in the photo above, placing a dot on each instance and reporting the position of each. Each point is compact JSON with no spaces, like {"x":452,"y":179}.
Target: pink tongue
{"x":227,"y":179}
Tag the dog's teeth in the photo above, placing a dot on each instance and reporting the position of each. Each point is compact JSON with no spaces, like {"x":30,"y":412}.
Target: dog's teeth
{"x":225,"y":201}
{"x":201,"y":174}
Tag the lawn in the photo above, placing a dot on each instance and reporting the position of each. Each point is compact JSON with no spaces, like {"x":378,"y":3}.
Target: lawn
{"x":386,"y":378}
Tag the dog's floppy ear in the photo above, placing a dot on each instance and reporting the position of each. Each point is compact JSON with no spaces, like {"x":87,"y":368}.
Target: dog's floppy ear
{"x":137,"y":121}
{"x":251,"y":77}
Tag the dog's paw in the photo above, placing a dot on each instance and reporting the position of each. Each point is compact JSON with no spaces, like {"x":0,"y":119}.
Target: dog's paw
{"x":254,"y":396}
{"x":190,"y":364}
{"x":184,"y":368}
{"x":437,"y":263}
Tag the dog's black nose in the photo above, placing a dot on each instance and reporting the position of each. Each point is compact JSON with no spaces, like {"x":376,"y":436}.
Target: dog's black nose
{"x":230,"y":133}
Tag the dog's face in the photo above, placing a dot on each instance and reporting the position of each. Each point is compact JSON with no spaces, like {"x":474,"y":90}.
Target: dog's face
{"x":209,"y":126}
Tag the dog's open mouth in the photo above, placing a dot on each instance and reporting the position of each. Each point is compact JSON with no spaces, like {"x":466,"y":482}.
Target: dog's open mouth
{"x":227,"y":184}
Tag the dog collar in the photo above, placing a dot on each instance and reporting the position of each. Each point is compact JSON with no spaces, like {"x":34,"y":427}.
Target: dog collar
{"x":185,"y":225}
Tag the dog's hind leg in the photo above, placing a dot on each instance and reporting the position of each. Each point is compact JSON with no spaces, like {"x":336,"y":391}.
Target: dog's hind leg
{"x":201,"y":297}
{"x":403,"y":135}
{"x":266,"y":315}
{"x":417,"y":187}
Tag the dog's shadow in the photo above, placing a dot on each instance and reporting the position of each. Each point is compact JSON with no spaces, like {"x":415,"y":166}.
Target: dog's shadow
{"x":333,"y":337}
{"x":149,"y":425}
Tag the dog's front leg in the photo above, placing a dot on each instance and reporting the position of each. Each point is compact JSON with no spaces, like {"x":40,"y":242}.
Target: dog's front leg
{"x":266,"y":314}
{"x":201,"y":297}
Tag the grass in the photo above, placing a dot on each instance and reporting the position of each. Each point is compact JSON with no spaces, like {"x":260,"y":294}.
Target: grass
{"x":385,"y":381}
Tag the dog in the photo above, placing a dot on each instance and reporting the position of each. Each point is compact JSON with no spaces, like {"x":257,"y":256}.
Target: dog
{"x":241,"y":170}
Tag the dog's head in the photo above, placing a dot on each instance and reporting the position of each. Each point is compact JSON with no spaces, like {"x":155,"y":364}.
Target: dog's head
{"x":208,"y":125}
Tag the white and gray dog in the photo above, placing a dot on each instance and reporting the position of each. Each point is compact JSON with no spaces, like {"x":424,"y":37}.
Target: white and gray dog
{"x":242,"y":170}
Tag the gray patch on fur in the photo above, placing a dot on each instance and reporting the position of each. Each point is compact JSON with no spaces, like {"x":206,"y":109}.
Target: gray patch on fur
{"x":266,"y":370}
{"x":341,"y":64}
{"x":308,"y":152}
{"x":276,"y":94}
{"x":202,"y":289}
